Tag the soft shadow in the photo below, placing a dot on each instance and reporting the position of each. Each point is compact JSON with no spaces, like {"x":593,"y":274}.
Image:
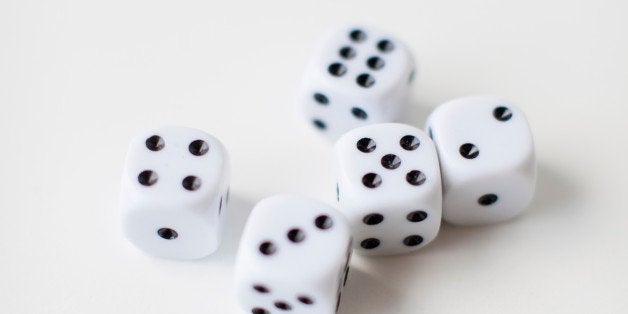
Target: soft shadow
{"x":237,"y":212}
{"x":554,"y":191}
{"x":365,"y":293}
{"x":416,"y":113}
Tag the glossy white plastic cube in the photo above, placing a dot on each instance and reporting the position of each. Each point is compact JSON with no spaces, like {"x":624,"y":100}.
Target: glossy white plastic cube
{"x":174,"y":192}
{"x":389,"y":187}
{"x":293,"y":257}
{"x":487,"y":159}
{"x":358,"y":75}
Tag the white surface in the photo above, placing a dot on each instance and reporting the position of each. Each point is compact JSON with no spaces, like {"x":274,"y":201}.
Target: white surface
{"x":79,"y":78}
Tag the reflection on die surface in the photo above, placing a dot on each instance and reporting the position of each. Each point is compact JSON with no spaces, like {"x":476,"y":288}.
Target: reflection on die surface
{"x":293,"y":256}
{"x":389,"y":187}
{"x":174,"y":191}
{"x":358,"y":75}
{"x":487,"y":159}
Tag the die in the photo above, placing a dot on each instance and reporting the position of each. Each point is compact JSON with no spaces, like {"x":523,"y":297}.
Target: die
{"x":358,"y":75}
{"x":487,"y":159}
{"x":174,"y":191}
{"x":293,"y":256}
{"x":389,"y":187}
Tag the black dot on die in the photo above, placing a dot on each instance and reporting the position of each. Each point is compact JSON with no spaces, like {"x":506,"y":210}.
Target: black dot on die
{"x":347,"y":53}
{"x":416,"y":177}
{"x":261,"y":289}
{"x":198,"y":148}
{"x":283,"y":306}
{"x":370,"y":243}
{"x":323,"y":222}
{"x":337,"y":69}
{"x":167,"y":234}
{"x":296,"y":235}
{"x":321,"y":99}
{"x":305,"y":300}
{"x":371,"y":180}
{"x":357,"y":35}
{"x":502,"y":114}
{"x":469,"y":151}
{"x":191,"y":183}
{"x":147,"y":178}
{"x":373,"y":219}
{"x":410,"y":142}
{"x":366,"y":145}
{"x":375,"y":63}
{"x":359,"y":113}
{"x":413,"y":240}
{"x":417,"y":216}
{"x":488,"y":199}
{"x":267,"y":248}
{"x":391,"y":161}
{"x":319,"y":124}
{"x":259,"y":310}
{"x":155,"y":143}
{"x":365,"y":80}
{"x":385,"y":45}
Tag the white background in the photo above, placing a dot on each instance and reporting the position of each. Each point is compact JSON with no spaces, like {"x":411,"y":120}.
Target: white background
{"x":79,"y":78}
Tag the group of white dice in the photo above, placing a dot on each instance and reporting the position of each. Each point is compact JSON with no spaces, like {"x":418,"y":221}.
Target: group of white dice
{"x":475,"y":164}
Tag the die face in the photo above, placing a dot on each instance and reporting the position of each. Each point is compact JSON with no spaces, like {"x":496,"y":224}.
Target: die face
{"x":389,"y":187}
{"x":357,"y":76}
{"x":174,"y":187}
{"x":487,"y":159}
{"x":293,"y":255}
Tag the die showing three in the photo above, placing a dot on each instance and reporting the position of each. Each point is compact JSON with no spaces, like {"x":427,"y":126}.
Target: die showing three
{"x":293,"y":256}
{"x":487,"y":159}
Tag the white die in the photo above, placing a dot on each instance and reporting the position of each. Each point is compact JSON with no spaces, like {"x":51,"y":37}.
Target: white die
{"x":358,"y":75}
{"x":174,"y":189}
{"x":389,"y":186}
{"x":294,"y":255}
{"x":487,"y":159}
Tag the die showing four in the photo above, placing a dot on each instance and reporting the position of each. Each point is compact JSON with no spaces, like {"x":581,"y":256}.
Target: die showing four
{"x":487,"y":159}
{"x":294,"y":255}
{"x":358,"y":76}
{"x":174,"y":187}
{"x":389,"y":178}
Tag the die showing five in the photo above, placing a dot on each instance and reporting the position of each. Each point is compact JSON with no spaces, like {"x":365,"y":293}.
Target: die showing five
{"x":389,"y":178}
{"x":358,"y":76}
